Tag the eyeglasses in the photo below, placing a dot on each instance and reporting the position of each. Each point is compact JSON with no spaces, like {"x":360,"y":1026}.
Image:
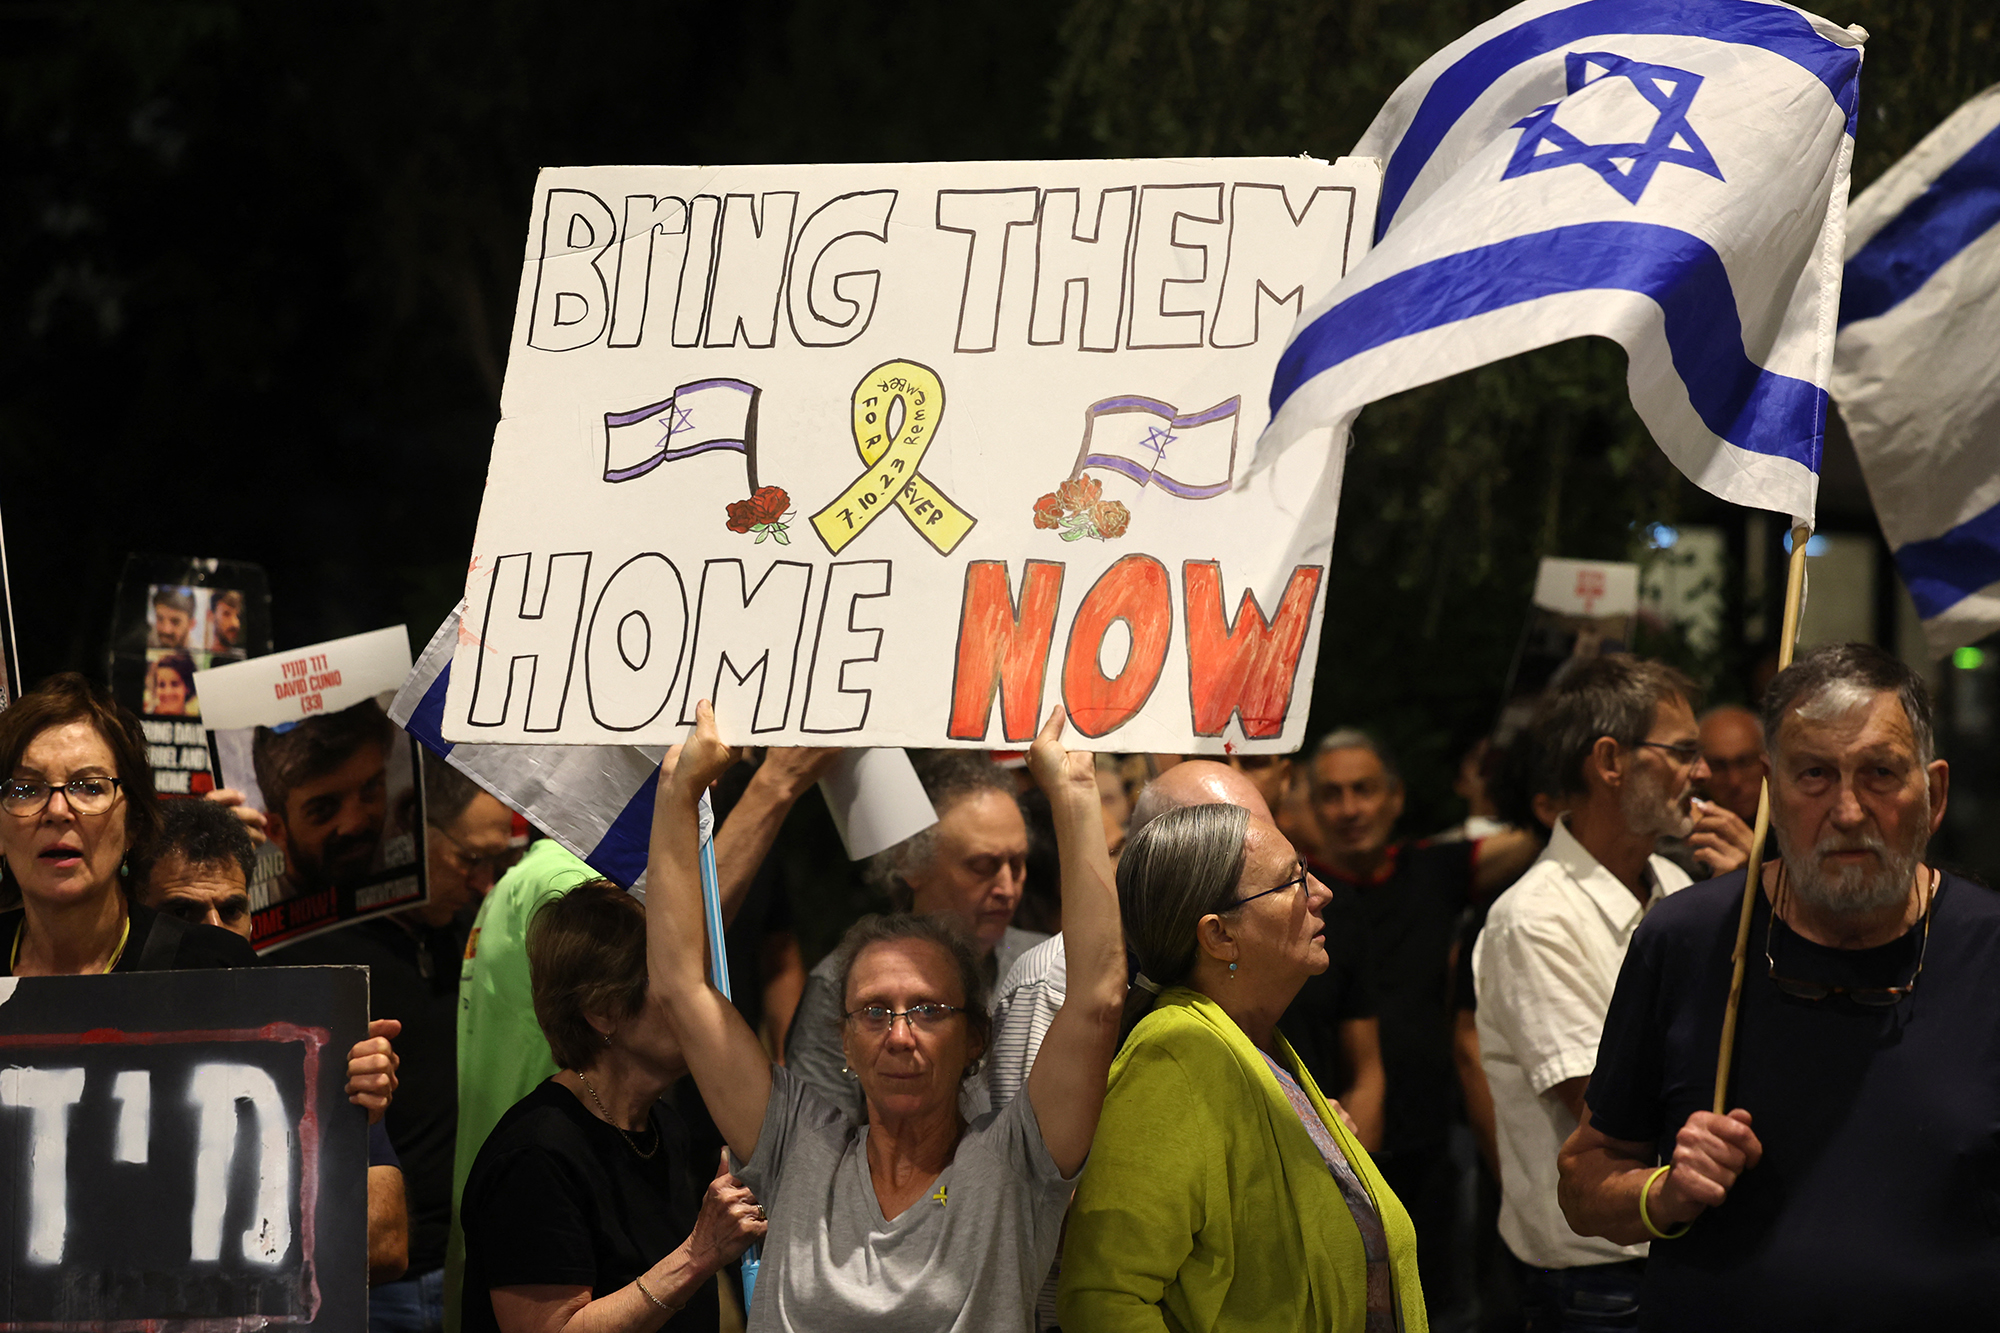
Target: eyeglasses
{"x":878,"y":1019}
{"x":85,"y":796}
{"x":1877,"y":997}
{"x":1292,"y":883}
{"x":1684,"y":752}
{"x":497,"y":862}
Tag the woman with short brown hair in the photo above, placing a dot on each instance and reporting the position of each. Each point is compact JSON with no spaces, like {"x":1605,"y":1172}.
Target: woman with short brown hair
{"x":582,"y":1205}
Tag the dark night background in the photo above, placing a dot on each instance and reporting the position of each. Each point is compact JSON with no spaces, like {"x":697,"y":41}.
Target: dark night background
{"x":258,"y":262}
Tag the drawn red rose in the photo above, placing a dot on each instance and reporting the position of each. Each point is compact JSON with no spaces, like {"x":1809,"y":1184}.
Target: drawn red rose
{"x":1048,"y":511}
{"x":1110,"y":518}
{"x":1080,"y":493}
{"x":767,"y":504}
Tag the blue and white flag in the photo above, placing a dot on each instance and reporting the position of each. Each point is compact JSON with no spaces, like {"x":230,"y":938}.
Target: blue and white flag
{"x":597,"y":800}
{"x":1670,"y":174}
{"x":1916,"y":369}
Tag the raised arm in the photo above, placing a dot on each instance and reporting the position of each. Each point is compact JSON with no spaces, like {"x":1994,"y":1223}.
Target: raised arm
{"x":722,"y":1052}
{"x":744,"y":839}
{"x":1066,"y":1086}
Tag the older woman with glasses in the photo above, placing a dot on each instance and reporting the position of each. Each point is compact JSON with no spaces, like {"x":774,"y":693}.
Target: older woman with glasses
{"x":914,"y":1220}
{"x":1223,"y":1191}
{"x":78,"y":821}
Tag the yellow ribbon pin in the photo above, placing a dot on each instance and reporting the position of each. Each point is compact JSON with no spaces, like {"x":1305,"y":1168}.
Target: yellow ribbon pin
{"x":939,"y":1197}
{"x":889,"y":474}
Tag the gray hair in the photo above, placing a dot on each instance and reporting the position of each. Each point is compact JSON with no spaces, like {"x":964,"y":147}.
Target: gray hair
{"x":1355,"y":738}
{"x":948,"y":776}
{"x":1176,"y":870}
{"x":1837,"y":677}
{"x":1594,"y":697}
{"x":948,"y":935}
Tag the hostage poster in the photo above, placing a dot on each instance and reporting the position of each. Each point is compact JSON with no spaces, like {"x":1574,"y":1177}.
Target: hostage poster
{"x":305,"y":735}
{"x":901,"y":455}
{"x":174,"y":616}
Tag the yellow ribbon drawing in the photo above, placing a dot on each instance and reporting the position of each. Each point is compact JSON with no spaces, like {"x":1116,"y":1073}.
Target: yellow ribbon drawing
{"x":889,"y":474}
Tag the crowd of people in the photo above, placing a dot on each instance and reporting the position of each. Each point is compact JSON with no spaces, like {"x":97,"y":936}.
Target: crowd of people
{"x":1271,"y":1062}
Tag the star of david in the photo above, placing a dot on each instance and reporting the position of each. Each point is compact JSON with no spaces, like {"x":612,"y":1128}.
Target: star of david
{"x":1157,"y":440}
{"x":1626,"y":167}
{"x":676,"y":421}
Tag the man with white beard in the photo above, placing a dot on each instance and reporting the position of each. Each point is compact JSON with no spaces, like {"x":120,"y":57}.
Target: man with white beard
{"x":1856,"y":1181}
{"x":1620,"y":738}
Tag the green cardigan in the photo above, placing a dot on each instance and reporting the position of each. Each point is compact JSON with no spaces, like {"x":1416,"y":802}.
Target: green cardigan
{"x":1206,"y":1206}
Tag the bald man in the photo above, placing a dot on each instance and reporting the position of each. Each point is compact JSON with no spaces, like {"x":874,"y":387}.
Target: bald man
{"x":1732,"y":741}
{"x":1331,"y":1024}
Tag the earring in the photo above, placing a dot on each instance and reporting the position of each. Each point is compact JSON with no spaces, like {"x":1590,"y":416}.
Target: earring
{"x":607,"y":1036}
{"x":1232,"y":971}
{"x":849,"y":1072}
{"x":124,"y":869}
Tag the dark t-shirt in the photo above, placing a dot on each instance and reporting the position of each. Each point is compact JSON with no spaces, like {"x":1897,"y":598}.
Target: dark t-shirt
{"x":1339,"y":994}
{"x":199,"y":946}
{"x":412,"y":978}
{"x":1412,"y":917}
{"x":1877,"y":1202}
{"x":559,"y":1197}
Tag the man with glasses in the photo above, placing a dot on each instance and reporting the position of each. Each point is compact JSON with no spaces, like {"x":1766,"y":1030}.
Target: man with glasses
{"x":413,"y":959}
{"x":1620,"y":739}
{"x":1856,"y":1184}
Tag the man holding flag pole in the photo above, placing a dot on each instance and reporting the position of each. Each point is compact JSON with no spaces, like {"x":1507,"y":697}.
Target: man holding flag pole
{"x":1674,"y":177}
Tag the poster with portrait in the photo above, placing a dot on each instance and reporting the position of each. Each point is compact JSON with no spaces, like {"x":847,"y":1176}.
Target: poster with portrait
{"x":305,"y":735}
{"x":174,"y":616}
{"x":1581,"y":609}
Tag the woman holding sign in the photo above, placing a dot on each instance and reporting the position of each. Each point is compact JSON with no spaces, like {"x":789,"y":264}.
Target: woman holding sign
{"x":78,"y":824}
{"x":914,"y":1220}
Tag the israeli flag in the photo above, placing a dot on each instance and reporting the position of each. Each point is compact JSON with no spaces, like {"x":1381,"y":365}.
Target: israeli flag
{"x":1916,"y":369}
{"x":1670,"y":174}
{"x":596,"y":800}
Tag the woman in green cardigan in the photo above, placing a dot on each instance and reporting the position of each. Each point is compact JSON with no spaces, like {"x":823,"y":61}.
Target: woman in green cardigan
{"x":1223,"y":1192}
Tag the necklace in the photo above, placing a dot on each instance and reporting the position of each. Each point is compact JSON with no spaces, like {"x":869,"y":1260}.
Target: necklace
{"x":124,"y":933}
{"x":631,"y":1141}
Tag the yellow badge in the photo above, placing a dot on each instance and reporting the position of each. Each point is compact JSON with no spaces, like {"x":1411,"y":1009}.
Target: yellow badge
{"x":897,"y":407}
{"x":939,"y":1196}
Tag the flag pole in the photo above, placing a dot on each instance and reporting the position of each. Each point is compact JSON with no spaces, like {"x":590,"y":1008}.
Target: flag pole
{"x":1788,"y":635}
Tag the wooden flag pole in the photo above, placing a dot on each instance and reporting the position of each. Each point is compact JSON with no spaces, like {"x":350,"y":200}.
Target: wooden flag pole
{"x":1788,"y":635}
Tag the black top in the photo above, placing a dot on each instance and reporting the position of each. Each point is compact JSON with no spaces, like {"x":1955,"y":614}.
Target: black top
{"x":1341,"y":993}
{"x":1412,"y":917}
{"x":197,"y":947}
{"x":1877,"y":1202}
{"x":413,"y":977}
{"x":559,"y":1197}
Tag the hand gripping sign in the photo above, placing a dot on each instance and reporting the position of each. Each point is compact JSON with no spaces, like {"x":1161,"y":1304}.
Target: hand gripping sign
{"x":897,"y":407}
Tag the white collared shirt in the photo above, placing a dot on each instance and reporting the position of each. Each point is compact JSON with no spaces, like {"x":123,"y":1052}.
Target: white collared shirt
{"x":1544,"y":968}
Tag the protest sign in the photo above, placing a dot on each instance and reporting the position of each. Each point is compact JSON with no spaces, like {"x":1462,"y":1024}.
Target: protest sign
{"x":174,"y":616}
{"x":1582,"y":608}
{"x":305,"y":736}
{"x":178,"y":1146}
{"x":900,"y":455}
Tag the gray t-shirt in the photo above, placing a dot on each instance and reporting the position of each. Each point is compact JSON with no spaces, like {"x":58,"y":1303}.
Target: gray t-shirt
{"x":812,"y":1044}
{"x":969,"y":1256}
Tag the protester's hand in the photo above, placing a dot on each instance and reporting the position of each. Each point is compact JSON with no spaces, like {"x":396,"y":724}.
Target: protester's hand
{"x":1061,"y":773}
{"x":371,"y":1069}
{"x":1720,"y":840}
{"x":1345,"y":1118}
{"x":251,"y":819}
{"x":730,"y":1222}
{"x":703,"y":757}
{"x":792,"y":769}
{"x":1710,"y":1153}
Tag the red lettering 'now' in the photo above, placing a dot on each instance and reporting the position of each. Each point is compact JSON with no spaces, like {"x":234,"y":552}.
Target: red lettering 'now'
{"x":1003,"y":647}
{"x":1138,"y":591}
{"x":1246,"y":669}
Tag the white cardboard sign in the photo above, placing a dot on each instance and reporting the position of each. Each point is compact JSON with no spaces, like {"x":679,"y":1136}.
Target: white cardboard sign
{"x":901,"y":455}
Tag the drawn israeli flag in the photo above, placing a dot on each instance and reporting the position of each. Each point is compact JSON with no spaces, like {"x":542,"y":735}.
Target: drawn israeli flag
{"x":1670,"y":174}
{"x":1916,"y":369}
{"x":1149,"y":442}
{"x":697,"y":418}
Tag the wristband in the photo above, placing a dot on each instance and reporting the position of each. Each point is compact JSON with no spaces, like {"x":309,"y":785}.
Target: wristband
{"x":640,"y":1283}
{"x":1648,"y":1221}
